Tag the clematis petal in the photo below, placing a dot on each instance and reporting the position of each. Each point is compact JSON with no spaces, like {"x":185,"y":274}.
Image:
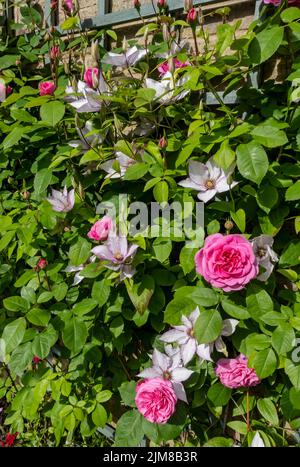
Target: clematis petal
{"x":188,"y":350}
{"x":160,"y":360}
{"x":172,"y":336}
{"x":229,"y":326}
{"x":151,"y":373}
{"x":181,"y":374}
{"x":180,"y":391}
{"x":203,"y":351}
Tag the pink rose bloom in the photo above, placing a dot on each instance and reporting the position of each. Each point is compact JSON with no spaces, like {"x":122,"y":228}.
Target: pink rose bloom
{"x":234,"y":372}
{"x":90,"y":76}
{"x":47,"y":88}
{"x":4,"y":91}
{"x":227,"y":261}
{"x":155,"y":399}
{"x":164,"y":67}
{"x":101,"y":229}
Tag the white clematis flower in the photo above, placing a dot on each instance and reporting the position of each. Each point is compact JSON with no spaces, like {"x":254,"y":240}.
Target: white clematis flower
{"x":183,"y":335}
{"x":89,"y":100}
{"x":78,"y":278}
{"x":165,"y":89}
{"x":265,"y":256}
{"x":208,"y":179}
{"x":86,"y":141}
{"x":123,"y":161}
{"x":170,"y":368}
{"x":125,"y":59}
{"x":62,"y":201}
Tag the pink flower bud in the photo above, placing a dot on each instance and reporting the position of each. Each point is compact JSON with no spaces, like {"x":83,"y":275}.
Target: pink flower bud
{"x":161,"y":3}
{"x":137,"y":4}
{"x":54,"y":52}
{"x":68,"y":5}
{"x":53,"y":4}
{"x":41,"y":264}
{"x":192,"y":16}
{"x":36,"y":360}
{"x":47,"y":88}
{"x":91,"y":76}
{"x":163,"y":142}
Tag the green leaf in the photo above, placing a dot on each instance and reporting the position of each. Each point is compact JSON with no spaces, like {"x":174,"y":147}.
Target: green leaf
{"x":225,"y":157}
{"x":219,"y":442}
{"x":117,"y":326}
{"x":52,"y":112}
{"x":84,"y":307}
{"x":264,"y":363}
{"x":101,"y":291}
{"x":239,"y":427}
{"x":239,"y":218}
{"x":99,"y":416}
{"x":283,"y":339}
{"x":208,"y":326}
{"x":218,"y":394}
{"x":136,"y":171}
{"x":128,"y":431}
{"x":15,"y":303}
{"x":176,"y":309}
{"x":293,"y":371}
{"x":186,"y":258}
{"x":42,"y":180}
{"x":13,"y":137}
{"x":162,"y":248}
{"x":258,"y":302}
{"x":265,"y":44}
{"x":140,"y":293}
{"x":38,"y":317}
{"x":75,"y":334}
{"x":161,"y":192}
{"x":290,"y":14}
{"x":269,"y":136}
{"x":20,"y":358}
{"x":79,"y":252}
{"x":168,"y":431}
{"x":127,"y":392}
{"x":268,"y":410}
{"x":203,"y":296}
{"x":69,"y":23}
{"x":6,"y":239}
{"x":252,"y":161}
{"x":103,"y":396}
{"x":293,"y":192}
{"x":44,"y":341}
{"x":13,"y":333}
{"x":267,"y":197}
{"x":291,"y":254}
{"x":236,"y":311}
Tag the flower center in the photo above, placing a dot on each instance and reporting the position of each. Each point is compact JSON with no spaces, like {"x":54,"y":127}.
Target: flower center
{"x":118,"y":256}
{"x":190,"y":332}
{"x":166,"y":375}
{"x":261,"y":252}
{"x":210,"y":184}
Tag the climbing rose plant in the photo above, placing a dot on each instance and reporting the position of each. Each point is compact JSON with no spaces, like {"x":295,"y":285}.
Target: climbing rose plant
{"x":188,"y":337}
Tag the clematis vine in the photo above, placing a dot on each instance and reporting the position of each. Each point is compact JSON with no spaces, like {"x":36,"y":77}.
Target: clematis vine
{"x":62,"y":201}
{"x":165,"y":89}
{"x":169,"y":368}
{"x":116,"y":168}
{"x":118,"y":254}
{"x":265,"y":256}
{"x":208,"y":179}
{"x":125,"y":59}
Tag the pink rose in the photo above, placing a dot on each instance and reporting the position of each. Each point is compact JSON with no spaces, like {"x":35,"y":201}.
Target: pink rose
{"x":156,"y":399}
{"x":4,"y":91}
{"x":227,"y":261}
{"x":47,"y":88}
{"x":101,"y":229}
{"x":164,"y":67}
{"x":90,"y":76}
{"x":234,"y":372}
